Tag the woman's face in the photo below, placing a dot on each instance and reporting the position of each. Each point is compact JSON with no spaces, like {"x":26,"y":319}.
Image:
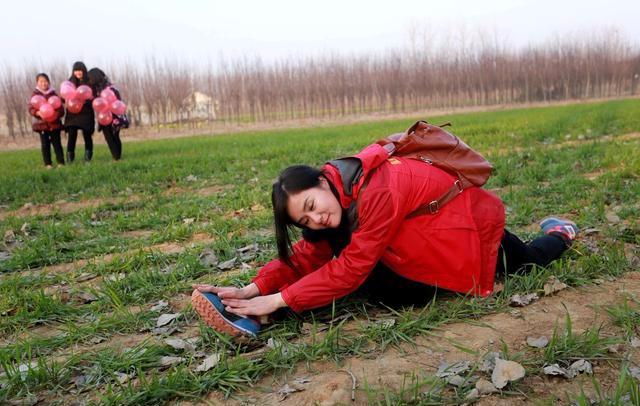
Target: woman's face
{"x":316,"y":208}
{"x":78,"y":74}
{"x":42,"y":83}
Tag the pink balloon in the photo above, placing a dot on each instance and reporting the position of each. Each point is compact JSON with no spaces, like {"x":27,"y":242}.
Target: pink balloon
{"x":37,"y":101}
{"x":55,"y":102}
{"x":74,"y":105}
{"x":47,"y":112}
{"x":67,"y":83}
{"x":118,"y":107}
{"x":67,"y":90}
{"x":108,"y":95}
{"x":68,"y":94}
{"x":105,"y":118}
{"x":100,"y":104}
{"x":84,"y":92}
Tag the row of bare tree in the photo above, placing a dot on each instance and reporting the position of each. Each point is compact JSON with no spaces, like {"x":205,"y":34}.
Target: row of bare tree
{"x":427,"y":74}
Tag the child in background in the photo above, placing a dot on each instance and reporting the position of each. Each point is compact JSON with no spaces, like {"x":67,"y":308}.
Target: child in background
{"x":80,"y":121}
{"x":49,"y":130}
{"x":99,"y":81}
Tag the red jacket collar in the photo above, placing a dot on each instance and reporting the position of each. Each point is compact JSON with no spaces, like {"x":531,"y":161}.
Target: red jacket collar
{"x":371,"y":157}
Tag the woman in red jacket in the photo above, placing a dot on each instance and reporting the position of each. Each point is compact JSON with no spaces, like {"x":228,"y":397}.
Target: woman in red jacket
{"x":354,"y":228}
{"x":49,"y":130}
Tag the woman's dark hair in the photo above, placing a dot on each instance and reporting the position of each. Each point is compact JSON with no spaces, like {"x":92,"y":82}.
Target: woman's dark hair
{"x":42,"y":75}
{"x":78,"y":65}
{"x":291,"y":181}
{"x":98,"y":80}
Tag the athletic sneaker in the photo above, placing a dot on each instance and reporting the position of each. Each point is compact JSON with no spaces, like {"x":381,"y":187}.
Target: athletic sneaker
{"x":210,"y":308}
{"x":554,"y":225}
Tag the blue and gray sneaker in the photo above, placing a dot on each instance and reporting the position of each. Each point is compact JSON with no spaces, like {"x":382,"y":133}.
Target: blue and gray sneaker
{"x":210,"y":308}
{"x":567,"y":229}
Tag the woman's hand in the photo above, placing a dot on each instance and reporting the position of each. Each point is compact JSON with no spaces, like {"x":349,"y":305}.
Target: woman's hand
{"x":227,"y":292}
{"x":258,"y":306}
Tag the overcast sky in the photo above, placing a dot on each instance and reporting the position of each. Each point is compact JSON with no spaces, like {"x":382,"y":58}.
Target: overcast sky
{"x":100,"y":31}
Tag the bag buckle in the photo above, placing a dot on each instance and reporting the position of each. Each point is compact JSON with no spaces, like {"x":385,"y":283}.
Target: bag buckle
{"x":458,"y":184}
{"x":434,"y":207}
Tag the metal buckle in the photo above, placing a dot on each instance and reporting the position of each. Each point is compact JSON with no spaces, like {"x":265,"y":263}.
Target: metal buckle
{"x":434,"y":207}
{"x":459,"y":185}
{"x":425,"y":159}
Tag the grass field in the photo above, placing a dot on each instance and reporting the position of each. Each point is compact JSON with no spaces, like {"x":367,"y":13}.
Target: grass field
{"x":90,"y":250}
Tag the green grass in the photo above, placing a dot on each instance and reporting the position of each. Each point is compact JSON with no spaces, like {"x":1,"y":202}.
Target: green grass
{"x":541,"y":157}
{"x":626,"y":316}
{"x":565,"y":346}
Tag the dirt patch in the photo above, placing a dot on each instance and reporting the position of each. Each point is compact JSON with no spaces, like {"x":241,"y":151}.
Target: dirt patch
{"x":213,"y":190}
{"x":175,"y":190}
{"x":137,"y":233}
{"x":167,"y":248}
{"x":62,"y":206}
{"x":564,"y":144}
{"x":330,"y":384}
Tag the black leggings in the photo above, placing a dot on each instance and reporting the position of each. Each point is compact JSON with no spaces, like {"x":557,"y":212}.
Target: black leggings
{"x":73,"y":136}
{"x":48,"y":139}
{"x":513,"y":256}
{"x":113,"y":141}
{"x":516,"y":256}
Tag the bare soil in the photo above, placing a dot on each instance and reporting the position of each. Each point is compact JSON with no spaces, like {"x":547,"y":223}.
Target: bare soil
{"x":62,"y":206}
{"x":330,"y":384}
{"x":65,"y":207}
{"x":167,"y":248}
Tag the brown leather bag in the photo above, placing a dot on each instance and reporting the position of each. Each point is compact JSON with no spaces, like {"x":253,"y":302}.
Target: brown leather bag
{"x":435,"y":146}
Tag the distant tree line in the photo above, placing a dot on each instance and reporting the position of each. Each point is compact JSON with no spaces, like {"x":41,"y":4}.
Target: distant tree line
{"x":429,"y":73}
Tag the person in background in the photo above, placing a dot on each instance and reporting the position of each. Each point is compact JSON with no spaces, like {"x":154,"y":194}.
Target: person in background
{"x":49,"y":130}
{"x":99,"y":81}
{"x":83,"y":120}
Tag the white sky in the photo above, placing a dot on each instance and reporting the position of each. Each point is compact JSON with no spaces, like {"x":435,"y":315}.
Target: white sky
{"x":102,"y":31}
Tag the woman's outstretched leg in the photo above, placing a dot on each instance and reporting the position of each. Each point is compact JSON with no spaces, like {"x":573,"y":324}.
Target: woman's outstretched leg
{"x":516,"y":256}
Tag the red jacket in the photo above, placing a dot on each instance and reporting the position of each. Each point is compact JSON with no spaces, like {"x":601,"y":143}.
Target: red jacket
{"x":455,"y":249}
{"x":39,"y":125}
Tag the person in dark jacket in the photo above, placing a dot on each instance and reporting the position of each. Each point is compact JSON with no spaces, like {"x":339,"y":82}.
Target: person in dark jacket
{"x":49,"y":130}
{"x":81,"y":121}
{"x":99,"y":81}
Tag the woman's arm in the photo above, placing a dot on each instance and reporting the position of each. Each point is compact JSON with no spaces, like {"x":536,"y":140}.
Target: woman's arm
{"x":260,"y":298}
{"x":246,"y":292}
{"x":307,"y":257}
{"x":381,"y":213}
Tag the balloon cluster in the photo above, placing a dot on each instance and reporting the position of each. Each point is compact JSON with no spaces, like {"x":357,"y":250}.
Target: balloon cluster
{"x":107,"y":104}
{"x":47,"y":108}
{"x":75,"y":98}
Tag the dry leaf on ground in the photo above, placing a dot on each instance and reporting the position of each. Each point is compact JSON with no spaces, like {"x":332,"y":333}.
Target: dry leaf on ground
{"x":208,"y":363}
{"x":523,"y":300}
{"x":166,"y":318}
{"x":537,"y":342}
{"x":553,"y":285}
{"x":223,"y":266}
{"x":505,"y":372}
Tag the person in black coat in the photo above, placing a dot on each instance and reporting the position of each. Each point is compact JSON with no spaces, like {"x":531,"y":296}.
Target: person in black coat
{"x":99,"y":81}
{"x":83,"y":120}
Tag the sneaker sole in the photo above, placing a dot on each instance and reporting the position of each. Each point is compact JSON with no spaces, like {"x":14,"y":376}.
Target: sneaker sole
{"x":212,"y":317}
